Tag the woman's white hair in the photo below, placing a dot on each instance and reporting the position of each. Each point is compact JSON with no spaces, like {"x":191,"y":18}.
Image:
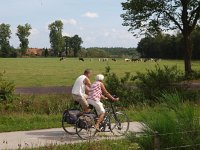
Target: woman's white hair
{"x":99,"y":77}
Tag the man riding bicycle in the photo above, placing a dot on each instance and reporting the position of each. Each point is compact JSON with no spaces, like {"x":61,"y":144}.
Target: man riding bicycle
{"x":80,"y":88}
{"x":96,"y":93}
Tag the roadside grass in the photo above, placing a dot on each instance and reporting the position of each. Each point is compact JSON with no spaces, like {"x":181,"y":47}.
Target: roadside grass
{"x":36,"y":72}
{"x":95,"y":145}
{"x":24,"y":122}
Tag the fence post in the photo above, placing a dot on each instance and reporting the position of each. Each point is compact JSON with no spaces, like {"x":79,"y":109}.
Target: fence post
{"x":156,"y":141}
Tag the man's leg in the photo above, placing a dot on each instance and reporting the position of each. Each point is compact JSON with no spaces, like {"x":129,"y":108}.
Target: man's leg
{"x":84,"y":104}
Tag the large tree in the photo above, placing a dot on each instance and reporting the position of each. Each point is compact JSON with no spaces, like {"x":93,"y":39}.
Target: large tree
{"x":156,"y":15}
{"x":23,"y":32}
{"x":67,"y":46}
{"x":56,"y":38}
{"x":75,"y":43}
{"x":5,"y":34}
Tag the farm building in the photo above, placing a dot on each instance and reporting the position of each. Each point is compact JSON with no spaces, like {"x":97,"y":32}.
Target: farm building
{"x":34,"y":51}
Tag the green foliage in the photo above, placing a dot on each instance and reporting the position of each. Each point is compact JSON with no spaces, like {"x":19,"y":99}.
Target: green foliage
{"x":123,"y":88}
{"x":96,"y":53}
{"x":161,"y":46}
{"x":6,"y":89}
{"x":154,"y":82}
{"x":169,"y":121}
{"x":75,"y":43}
{"x":94,"y":145}
{"x":46,"y":104}
{"x":5,"y":34}
{"x":115,"y":51}
{"x":168,"y":46}
{"x":157,"y":15}
{"x":23,"y":32}
{"x":56,"y":38}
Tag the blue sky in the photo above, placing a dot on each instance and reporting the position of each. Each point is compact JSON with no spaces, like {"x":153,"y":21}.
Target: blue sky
{"x":98,"y":22}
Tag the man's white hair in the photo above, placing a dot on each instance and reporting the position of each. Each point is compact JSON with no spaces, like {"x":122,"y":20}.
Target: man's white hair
{"x":99,"y":77}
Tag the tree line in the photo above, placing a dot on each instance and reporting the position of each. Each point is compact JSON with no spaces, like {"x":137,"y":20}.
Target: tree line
{"x":23,"y":32}
{"x":60,"y":44}
{"x":168,"y":46}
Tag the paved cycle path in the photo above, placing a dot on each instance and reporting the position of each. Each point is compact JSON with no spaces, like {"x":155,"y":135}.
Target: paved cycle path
{"x":67,"y":89}
{"x":38,"y":138}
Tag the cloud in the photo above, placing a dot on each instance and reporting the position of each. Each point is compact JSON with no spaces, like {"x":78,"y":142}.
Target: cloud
{"x":66,"y":34}
{"x":34,"y":31}
{"x":91,"y":15}
{"x":69,"y":21}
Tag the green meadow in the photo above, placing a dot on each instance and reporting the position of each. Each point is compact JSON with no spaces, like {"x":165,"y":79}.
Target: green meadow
{"x":36,"y":72}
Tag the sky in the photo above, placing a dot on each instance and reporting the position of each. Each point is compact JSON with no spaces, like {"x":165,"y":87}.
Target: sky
{"x":98,"y":22}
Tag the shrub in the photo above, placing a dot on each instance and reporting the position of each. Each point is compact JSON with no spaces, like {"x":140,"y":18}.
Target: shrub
{"x":171,"y":121}
{"x":154,"y":82}
{"x":6,"y":89}
{"x":123,"y":87}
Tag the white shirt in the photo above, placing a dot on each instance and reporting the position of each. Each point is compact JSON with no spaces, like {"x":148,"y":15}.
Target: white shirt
{"x":79,"y":86}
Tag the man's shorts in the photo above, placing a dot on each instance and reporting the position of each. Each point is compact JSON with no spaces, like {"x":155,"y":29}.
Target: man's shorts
{"x":98,"y":106}
{"x":81,"y":100}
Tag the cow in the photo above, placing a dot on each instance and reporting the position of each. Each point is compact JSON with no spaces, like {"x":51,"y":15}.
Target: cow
{"x":113,"y":59}
{"x":81,"y":59}
{"x":157,"y":60}
{"x":105,"y":59}
{"x":62,"y":58}
{"x":134,"y":60}
{"x":127,"y":60}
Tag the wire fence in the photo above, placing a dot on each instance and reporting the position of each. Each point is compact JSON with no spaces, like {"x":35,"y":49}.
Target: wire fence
{"x":157,"y":137}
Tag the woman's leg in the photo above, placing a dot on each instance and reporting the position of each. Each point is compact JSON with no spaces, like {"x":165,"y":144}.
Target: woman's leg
{"x":101,"y":112}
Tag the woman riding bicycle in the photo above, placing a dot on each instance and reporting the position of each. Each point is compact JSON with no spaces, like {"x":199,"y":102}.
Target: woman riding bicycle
{"x":98,"y":92}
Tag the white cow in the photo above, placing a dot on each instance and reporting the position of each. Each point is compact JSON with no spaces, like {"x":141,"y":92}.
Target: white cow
{"x":127,"y":60}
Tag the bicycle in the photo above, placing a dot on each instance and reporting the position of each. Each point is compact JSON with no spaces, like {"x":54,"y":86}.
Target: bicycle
{"x":115,"y":121}
{"x":65,"y":118}
{"x":68,"y":125}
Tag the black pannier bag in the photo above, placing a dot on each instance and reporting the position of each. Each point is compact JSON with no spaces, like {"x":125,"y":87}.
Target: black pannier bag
{"x":71,"y":116}
{"x":86,"y":121}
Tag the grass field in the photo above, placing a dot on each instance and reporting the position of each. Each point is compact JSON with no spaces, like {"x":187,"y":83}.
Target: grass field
{"x":27,"y":72}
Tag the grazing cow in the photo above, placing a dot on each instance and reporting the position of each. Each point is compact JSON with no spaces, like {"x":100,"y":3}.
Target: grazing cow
{"x":81,"y":59}
{"x":157,"y":60}
{"x":152,"y":59}
{"x":99,"y":59}
{"x":62,"y":58}
{"x":146,"y":59}
{"x":127,"y":60}
{"x":105,"y":59}
{"x":134,"y":60}
{"x":113,"y":59}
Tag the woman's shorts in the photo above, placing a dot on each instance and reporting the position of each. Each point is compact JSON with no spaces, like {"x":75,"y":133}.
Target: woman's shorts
{"x":98,"y":106}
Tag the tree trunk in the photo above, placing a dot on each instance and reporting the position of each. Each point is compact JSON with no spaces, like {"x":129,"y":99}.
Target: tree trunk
{"x":187,"y":47}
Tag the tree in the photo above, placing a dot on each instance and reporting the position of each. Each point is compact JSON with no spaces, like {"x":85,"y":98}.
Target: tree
{"x":75,"y":43}
{"x":67,"y":46}
{"x":23,"y":32}
{"x":5,"y":34}
{"x":56,"y":38}
{"x":156,"y":15}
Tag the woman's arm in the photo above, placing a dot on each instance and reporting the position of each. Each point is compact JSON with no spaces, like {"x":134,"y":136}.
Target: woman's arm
{"x":106,"y":93}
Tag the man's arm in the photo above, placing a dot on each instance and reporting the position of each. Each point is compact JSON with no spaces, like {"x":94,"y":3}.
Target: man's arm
{"x":87,"y":82}
{"x":87,"y":85}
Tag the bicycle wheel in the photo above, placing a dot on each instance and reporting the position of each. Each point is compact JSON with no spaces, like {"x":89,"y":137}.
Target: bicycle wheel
{"x":119,"y":123}
{"x":84,"y":130}
{"x":68,"y":128}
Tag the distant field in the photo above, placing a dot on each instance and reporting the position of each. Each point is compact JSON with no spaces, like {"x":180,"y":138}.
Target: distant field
{"x":34,"y":72}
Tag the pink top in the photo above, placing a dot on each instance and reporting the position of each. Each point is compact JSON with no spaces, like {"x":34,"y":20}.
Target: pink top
{"x":95,"y":91}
